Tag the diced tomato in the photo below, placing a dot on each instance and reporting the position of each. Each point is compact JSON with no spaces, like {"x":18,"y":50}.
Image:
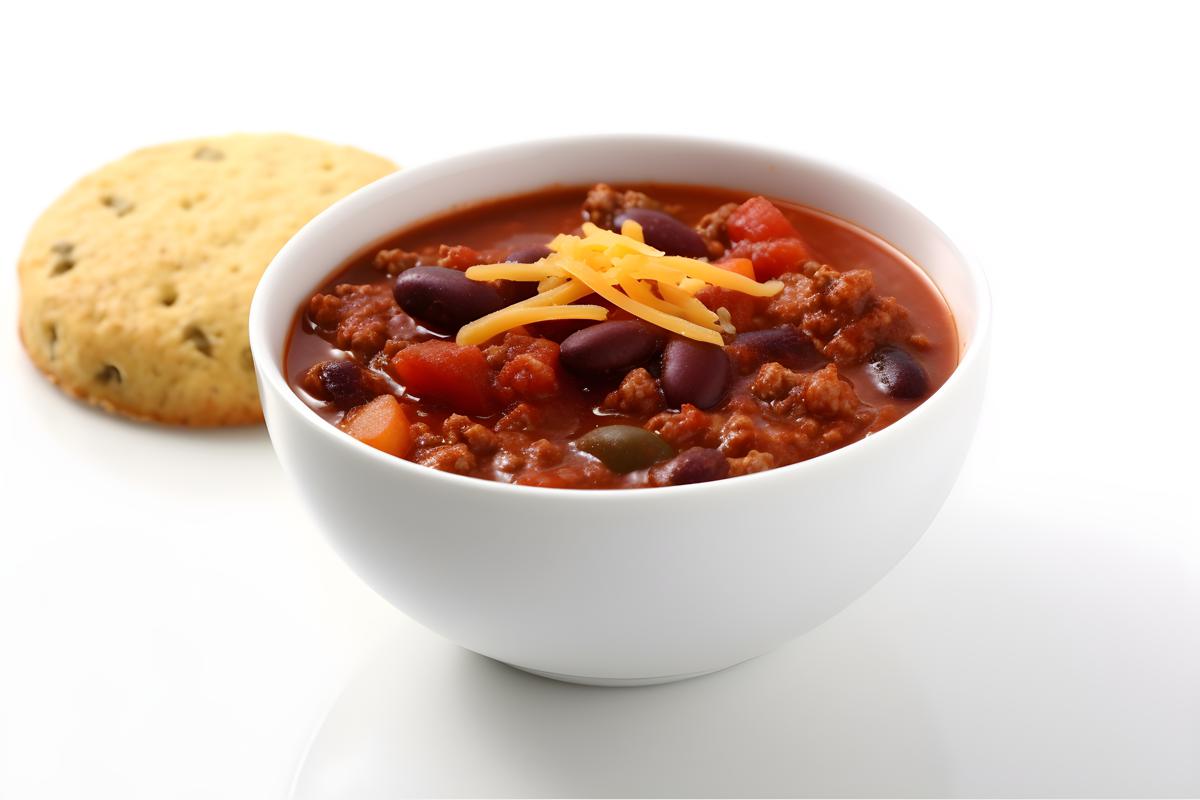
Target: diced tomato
{"x":380,"y":423}
{"x":774,"y":257}
{"x":443,"y":372}
{"x":758,"y":220}
{"x":742,"y":266}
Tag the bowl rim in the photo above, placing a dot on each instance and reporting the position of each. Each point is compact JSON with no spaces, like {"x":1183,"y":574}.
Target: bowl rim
{"x":271,"y":373}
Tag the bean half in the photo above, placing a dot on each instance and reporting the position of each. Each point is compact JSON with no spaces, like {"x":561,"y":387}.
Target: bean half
{"x":445,"y":299}
{"x":528,"y":255}
{"x":897,"y":373}
{"x":662,"y":231}
{"x":784,"y":344}
{"x":694,"y":372}
{"x":694,"y":465}
{"x":346,"y":383}
{"x":608,"y":348}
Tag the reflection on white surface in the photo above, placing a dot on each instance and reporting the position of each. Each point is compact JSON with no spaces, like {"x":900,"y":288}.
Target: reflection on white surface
{"x":1009,"y":654}
{"x":451,"y":723}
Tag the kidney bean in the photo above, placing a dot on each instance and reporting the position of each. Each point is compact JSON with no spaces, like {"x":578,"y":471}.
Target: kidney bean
{"x":624,"y":448}
{"x":785,"y":344}
{"x":558,"y":330}
{"x":515,"y":291}
{"x":444,"y":299}
{"x":347,"y":384}
{"x":694,"y":465}
{"x":897,"y":373}
{"x":694,"y":372}
{"x":662,"y":231}
{"x":528,"y":255}
{"x":609,"y":347}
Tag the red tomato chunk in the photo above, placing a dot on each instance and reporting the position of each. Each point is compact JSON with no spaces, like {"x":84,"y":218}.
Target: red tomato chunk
{"x":446,"y":373}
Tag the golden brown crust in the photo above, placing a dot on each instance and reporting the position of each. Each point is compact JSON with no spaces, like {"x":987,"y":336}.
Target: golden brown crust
{"x":136,"y":283}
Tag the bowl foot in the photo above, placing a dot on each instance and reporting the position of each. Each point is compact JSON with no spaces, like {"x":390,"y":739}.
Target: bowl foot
{"x":588,"y":680}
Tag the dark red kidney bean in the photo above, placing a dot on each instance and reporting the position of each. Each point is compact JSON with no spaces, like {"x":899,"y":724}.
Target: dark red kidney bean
{"x":897,"y":373}
{"x":528,"y":255}
{"x":664,"y":232}
{"x":785,"y":344}
{"x":557,"y":330}
{"x":694,"y":465}
{"x":694,"y":372}
{"x":347,"y":384}
{"x":607,"y":348}
{"x":516,"y":291}
{"x":445,"y":299}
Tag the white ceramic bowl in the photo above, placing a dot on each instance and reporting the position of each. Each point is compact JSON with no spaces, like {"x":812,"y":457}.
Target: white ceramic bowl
{"x":621,"y":586}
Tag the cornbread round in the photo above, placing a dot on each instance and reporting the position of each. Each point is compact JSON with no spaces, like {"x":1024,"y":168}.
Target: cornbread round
{"x":136,"y":283}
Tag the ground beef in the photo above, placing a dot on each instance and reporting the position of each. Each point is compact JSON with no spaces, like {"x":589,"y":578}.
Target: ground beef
{"x":754,"y":461}
{"x":423,"y":437}
{"x":395,"y":261}
{"x":822,"y":393}
{"x":712,"y":229}
{"x":459,"y":256}
{"x":527,"y":367}
{"x":603,"y":203}
{"x":588,"y":475}
{"x":521,"y":417}
{"x":690,"y":427}
{"x":480,"y":440}
{"x":840,"y":311}
{"x":448,"y":458}
{"x":360,"y":318}
{"x":544,"y":453}
{"x":509,"y":461}
{"x":738,"y":435}
{"x":637,"y":396}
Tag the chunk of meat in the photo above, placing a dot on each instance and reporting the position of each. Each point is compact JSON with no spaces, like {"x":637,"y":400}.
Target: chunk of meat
{"x":359,"y":318}
{"x":527,"y":367}
{"x":453,"y":375}
{"x":754,"y":461}
{"x":456,"y":458}
{"x":587,"y":475}
{"x":480,"y":439}
{"x":637,"y":396}
{"x":841,"y":312}
{"x":459,"y":256}
{"x":604,"y":203}
{"x":737,"y":435}
{"x":544,"y":453}
{"x":521,"y":417}
{"x":714,"y":231}
{"x":394,"y":261}
{"x":821,"y":393}
{"x":688,"y":427}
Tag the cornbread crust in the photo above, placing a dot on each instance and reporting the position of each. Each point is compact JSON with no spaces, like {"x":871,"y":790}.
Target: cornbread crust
{"x":136,"y":283}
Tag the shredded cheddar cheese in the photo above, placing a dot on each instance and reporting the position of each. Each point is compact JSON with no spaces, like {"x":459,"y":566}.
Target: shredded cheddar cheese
{"x":622,"y":269}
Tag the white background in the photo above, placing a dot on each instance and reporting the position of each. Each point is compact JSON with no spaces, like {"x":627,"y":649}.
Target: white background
{"x":171,"y":625}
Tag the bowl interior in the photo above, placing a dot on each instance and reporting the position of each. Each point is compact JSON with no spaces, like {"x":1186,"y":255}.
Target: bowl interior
{"x":409,"y":196}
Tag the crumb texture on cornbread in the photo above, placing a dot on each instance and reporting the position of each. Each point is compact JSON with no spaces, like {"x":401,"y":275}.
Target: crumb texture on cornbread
{"x":136,"y":283}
